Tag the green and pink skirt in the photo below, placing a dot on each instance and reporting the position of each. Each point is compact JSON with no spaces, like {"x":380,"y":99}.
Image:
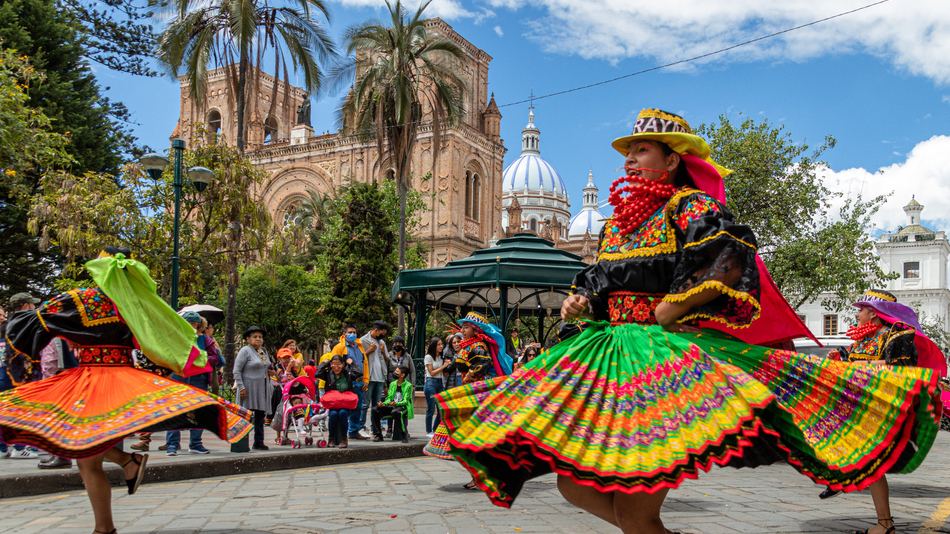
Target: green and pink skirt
{"x":634,"y":408}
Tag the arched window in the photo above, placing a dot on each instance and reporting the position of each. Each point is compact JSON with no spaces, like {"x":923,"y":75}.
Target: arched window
{"x":533,"y":224}
{"x":270,"y":130}
{"x":473,"y":194}
{"x":291,"y":215}
{"x":214,"y":125}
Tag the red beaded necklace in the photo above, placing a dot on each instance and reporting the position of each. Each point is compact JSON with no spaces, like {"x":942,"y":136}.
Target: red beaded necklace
{"x":636,"y":198}
{"x":857,"y":333}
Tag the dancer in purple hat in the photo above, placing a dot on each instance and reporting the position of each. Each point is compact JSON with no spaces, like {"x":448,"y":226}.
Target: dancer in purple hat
{"x":887,"y":333}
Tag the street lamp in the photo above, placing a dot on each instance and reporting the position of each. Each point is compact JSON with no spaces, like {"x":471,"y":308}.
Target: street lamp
{"x":200,"y":177}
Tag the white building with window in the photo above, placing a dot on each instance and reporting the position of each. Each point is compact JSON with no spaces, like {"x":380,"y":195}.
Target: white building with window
{"x":918,"y":255}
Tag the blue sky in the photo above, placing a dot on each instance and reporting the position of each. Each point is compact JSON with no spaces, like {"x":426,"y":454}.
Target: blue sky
{"x":878,"y":81}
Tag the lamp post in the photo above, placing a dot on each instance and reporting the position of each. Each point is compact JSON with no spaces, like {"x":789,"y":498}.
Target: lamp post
{"x":200,"y":177}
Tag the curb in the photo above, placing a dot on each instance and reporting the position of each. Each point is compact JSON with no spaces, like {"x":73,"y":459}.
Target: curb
{"x":233,"y":464}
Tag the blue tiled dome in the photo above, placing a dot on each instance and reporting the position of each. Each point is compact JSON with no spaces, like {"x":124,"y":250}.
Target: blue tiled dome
{"x":531,"y":172}
{"x":588,"y":221}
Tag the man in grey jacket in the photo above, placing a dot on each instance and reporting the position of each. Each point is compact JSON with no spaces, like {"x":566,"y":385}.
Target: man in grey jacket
{"x":377,"y":358}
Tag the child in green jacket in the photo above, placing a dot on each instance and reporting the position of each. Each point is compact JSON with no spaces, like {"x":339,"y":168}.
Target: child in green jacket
{"x":397,"y":405}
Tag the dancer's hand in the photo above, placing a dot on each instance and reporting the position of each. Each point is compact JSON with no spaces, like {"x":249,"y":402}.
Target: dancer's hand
{"x":575,"y":306}
{"x":243,"y":394}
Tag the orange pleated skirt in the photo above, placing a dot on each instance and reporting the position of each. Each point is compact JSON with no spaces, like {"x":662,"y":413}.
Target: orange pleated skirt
{"x":88,"y":409}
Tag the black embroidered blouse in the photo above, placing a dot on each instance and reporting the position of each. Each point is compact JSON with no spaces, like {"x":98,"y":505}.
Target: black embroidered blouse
{"x":689,"y":245}
{"x":892,"y":343}
{"x":85,"y":317}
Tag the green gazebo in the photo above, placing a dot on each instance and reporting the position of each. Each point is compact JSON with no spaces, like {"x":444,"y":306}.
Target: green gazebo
{"x":520,"y":275}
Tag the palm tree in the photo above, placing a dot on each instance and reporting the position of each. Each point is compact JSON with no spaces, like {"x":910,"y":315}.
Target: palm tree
{"x":236,"y":35}
{"x":404,"y":79}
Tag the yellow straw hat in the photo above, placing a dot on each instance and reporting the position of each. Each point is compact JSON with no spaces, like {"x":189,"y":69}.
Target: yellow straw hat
{"x":670,"y":129}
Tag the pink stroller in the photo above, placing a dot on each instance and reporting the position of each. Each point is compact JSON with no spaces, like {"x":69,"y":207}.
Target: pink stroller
{"x":302,"y":414}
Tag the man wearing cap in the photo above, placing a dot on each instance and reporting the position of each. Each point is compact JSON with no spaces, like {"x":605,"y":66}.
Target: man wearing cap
{"x":377,"y":358}
{"x":887,"y":333}
{"x":19,"y":302}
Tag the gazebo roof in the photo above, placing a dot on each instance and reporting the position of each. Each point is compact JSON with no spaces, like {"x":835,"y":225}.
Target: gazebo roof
{"x":522,"y":261}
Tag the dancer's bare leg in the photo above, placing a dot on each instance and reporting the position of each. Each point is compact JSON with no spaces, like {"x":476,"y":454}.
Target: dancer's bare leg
{"x":639,"y":513}
{"x":122,"y":458}
{"x":880,"y":494}
{"x":589,"y":499}
{"x":99,"y":490}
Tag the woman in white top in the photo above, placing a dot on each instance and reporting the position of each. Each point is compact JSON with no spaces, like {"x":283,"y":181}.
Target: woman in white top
{"x":435,"y":365}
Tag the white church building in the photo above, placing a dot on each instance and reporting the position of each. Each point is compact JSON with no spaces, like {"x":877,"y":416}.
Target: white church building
{"x":918,"y":255}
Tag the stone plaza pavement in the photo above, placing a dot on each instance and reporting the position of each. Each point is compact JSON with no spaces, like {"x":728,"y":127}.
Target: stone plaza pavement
{"x":20,"y":477}
{"x":424,"y":496}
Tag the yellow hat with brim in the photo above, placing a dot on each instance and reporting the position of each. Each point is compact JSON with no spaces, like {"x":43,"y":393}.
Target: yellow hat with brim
{"x":670,"y":129}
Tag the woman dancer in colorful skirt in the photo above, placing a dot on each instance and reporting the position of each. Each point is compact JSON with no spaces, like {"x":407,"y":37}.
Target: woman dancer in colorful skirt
{"x":648,"y":394}
{"x":887,"y":333}
{"x":481,"y":356}
{"x":87,"y":411}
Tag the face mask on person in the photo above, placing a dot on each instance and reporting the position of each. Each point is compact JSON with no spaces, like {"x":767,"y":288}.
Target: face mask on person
{"x":350,"y":337}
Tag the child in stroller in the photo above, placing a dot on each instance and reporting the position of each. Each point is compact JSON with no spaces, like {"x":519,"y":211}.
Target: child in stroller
{"x":300,"y":413}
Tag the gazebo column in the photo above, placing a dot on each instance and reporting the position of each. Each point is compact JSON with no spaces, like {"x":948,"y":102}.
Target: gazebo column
{"x":503,"y":312}
{"x":419,"y":332}
{"x":540,"y":317}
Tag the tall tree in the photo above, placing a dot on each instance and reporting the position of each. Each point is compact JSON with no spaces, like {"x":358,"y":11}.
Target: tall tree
{"x":777,"y":189}
{"x":285,"y":301}
{"x":117,"y":33}
{"x":359,"y":237}
{"x":404,"y":79}
{"x":237,"y":34}
{"x":28,"y":148}
{"x":68,"y":93}
{"x":81,"y":214}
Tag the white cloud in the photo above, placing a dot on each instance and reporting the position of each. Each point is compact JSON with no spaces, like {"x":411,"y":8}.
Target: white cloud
{"x":945,"y":99}
{"x":447,"y":9}
{"x":498,"y":31}
{"x":925,"y":173}
{"x":912,"y":35}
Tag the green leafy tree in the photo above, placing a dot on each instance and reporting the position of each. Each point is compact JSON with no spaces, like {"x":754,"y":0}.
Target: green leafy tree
{"x":404,"y":80}
{"x":117,"y":33}
{"x":358,"y":259}
{"x":81,"y":214}
{"x":68,"y":93}
{"x":239,"y":35}
{"x":285,"y":300}
{"x":28,"y":147}
{"x":777,"y":190}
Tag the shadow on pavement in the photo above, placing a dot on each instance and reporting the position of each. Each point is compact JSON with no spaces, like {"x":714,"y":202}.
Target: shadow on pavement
{"x":901,"y":489}
{"x":852,"y":524}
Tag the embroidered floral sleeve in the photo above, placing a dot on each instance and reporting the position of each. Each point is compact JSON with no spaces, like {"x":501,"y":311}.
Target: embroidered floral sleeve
{"x":714,"y":253}
{"x":899,"y":348}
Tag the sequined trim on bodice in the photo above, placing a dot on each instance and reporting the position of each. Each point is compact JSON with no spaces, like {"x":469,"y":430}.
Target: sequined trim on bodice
{"x":631,"y":307}
{"x":104,"y":355}
{"x":870,"y":348}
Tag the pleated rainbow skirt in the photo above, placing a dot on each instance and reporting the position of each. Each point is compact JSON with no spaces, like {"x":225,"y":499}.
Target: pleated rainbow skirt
{"x":635,"y":408}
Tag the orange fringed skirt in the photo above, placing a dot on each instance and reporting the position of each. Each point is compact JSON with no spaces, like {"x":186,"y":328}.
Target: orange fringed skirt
{"x":91,"y":408}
